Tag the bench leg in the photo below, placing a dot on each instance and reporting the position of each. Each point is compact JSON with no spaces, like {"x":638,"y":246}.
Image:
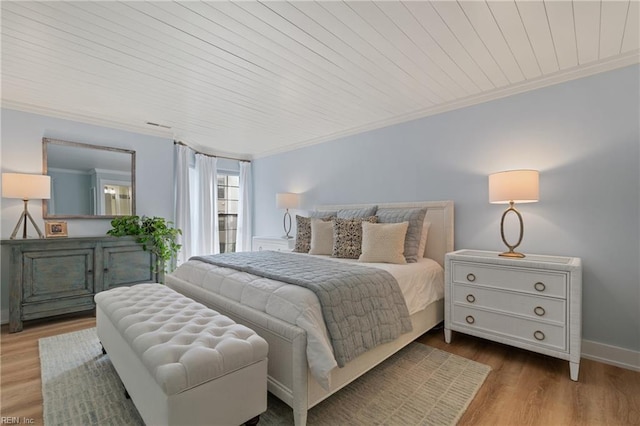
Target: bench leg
{"x":253,"y":422}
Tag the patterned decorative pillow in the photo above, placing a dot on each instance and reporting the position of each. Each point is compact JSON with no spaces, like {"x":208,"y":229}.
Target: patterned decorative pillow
{"x":383,"y":242}
{"x":321,"y":237}
{"x":415,"y":217}
{"x":303,"y":233}
{"x":347,"y":236}
{"x":357,"y":213}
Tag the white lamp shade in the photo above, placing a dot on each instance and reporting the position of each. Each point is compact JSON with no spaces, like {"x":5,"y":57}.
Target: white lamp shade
{"x":25,"y":186}
{"x":287,"y":200}
{"x":519,"y":186}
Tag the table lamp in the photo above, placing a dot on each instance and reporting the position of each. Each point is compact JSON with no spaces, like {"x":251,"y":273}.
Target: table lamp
{"x":287,"y":200}
{"x":26,"y":187}
{"x":513,"y":186}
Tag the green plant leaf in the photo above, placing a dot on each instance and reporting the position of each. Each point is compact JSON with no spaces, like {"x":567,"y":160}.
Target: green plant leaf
{"x":156,"y":235}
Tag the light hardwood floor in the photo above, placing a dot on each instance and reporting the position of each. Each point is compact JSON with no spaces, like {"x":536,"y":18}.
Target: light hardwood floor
{"x":523,"y":388}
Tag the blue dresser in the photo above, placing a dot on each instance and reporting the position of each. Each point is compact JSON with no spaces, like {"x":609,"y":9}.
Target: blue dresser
{"x":51,"y":277}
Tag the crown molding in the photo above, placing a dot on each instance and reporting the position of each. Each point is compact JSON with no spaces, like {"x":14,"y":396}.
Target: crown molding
{"x":562,"y":76}
{"x":86,"y":119}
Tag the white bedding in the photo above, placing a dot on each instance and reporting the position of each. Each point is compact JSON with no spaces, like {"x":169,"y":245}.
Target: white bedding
{"x":421,"y":283}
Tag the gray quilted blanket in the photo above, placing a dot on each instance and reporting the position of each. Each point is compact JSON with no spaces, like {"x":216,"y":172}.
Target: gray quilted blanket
{"x":362,"y":306}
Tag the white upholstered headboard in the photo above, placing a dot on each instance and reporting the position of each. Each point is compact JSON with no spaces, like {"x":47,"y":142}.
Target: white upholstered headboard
{"x":439,"y":213}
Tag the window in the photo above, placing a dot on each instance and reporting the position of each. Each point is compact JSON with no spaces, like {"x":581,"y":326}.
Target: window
{"x":228,"y":197}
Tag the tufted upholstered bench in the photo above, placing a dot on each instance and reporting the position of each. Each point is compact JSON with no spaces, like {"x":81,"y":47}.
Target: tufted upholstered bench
{"x":181,"y":362}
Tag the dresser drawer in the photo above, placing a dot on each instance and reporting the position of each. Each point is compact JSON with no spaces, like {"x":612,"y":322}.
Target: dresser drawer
{"x":510,"y":328}
{"x":553,"y":284}
{"x":532,"y":306}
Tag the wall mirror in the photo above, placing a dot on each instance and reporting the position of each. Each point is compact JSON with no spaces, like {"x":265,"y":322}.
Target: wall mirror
{"x":88,"y":181}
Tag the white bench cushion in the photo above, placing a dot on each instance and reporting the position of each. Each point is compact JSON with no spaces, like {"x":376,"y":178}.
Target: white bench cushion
{"x":181,"y":342}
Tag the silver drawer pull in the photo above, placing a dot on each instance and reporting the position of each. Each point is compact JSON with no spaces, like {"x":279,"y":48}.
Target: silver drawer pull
{"x":539,"y":286}
{"x":539,"y":335}
{"x":539,"y":311}
{"x":471,"y":277}
{"x":470,"y":319}
{"x":471,"y":298}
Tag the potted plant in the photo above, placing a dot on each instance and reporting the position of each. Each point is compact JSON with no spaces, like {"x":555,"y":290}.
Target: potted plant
{"x":156,"y":235}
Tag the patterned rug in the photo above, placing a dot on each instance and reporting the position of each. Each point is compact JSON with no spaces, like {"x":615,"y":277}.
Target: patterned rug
{"x":418,"y":385}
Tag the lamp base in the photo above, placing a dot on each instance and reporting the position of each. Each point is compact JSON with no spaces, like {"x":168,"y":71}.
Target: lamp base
{"x":286,"y":221}
{"x":23,"y":220}
{"x":511,"y":254}
{"x":514,"y":254}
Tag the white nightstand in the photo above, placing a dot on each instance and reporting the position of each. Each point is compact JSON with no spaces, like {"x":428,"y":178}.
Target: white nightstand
{"x":533,"y":303}
{"x":272,"y":243}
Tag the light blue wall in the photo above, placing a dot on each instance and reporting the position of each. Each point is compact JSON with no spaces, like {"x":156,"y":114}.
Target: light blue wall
{"x":21,"y":141}
{"x":21,"y":152}
{"x":582,"y":135}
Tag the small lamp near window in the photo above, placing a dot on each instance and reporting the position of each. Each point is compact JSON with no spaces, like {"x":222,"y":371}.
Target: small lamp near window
{"x":26,"y":187}
{"x":287,"y":200}
{"x":513,"y":186}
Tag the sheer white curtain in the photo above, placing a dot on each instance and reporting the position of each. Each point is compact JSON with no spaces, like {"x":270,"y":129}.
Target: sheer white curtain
{"x":182,"y":189}
{"x":206,"y":226}
{"x":243,"y":233}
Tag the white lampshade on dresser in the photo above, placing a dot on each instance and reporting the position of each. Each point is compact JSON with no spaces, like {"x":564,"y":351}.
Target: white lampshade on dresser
{"x":287,"y":200}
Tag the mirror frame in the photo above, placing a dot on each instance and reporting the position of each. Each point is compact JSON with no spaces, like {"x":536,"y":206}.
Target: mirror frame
{"x":45,"y":203}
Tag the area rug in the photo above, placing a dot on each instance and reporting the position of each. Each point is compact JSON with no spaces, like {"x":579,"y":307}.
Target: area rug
{"x":418,"y":385}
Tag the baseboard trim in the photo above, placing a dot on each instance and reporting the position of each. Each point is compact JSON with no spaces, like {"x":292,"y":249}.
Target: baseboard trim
{"x":612,"y":355}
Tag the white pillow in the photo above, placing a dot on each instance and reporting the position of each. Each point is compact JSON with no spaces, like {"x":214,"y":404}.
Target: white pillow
{"x":321,"y":237}
{"x":383,"y":242}
{"x":423,"y":238}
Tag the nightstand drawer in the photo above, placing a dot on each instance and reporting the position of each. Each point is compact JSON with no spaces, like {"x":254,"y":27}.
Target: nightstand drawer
{"x":536,"y":307}
{"x":552,"y":284}
{"x":269,"y":246}
{"x":272,"y":243}
{"x":510,"y":328}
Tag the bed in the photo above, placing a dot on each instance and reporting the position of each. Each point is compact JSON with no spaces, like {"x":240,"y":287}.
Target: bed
{"x":293,"y":345}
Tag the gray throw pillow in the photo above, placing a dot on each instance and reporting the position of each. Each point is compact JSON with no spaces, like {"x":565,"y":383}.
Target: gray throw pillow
{"x":357,"y":213}
{"x":321,"y":214}
{"x":415,"y":217}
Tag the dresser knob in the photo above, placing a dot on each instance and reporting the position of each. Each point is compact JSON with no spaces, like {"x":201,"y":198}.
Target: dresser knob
{"x":539,"y":335}
{"x":539,"y":286}
{"x":471,"y":277}
{"x":539,"y":310}
{"x":470,"y":319}
{"x":471,"y":298}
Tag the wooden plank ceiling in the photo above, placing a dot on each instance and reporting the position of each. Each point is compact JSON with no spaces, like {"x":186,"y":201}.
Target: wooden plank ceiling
{"x":254,"y":78}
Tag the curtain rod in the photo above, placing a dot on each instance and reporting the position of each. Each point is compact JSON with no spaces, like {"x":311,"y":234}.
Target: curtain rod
{"x":210,"y":155}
